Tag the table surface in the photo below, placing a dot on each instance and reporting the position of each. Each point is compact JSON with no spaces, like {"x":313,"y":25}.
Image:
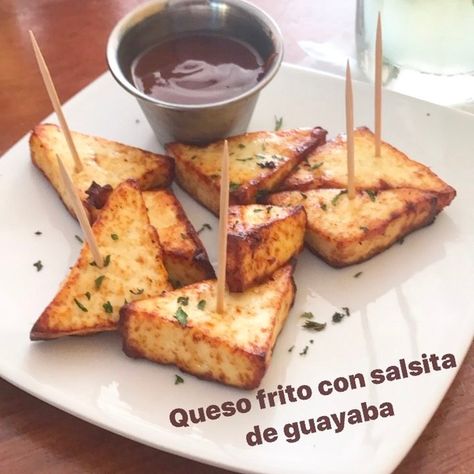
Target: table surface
{"x":72,"y":35}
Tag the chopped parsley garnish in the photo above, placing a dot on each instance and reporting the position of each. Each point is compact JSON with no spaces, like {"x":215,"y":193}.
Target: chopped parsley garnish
{"x":38,"y":232}
{"x":80,"y":305}
{"x":183,"y":236}
{"x":304,"y":351}
{"x":307,"y":315}
{"x":233,"y":186}
{"x":267,"y":164}
{"x":204,"y":226}
{"x":114,"y":236}
{"x":176,"y":283}
{"x":79,"y":239}
{"x":38,"y":265}
{"x":337,"y":196}
{"x":184,"y":300}
{"x":372,"y":194}
{"x":98,"y":281}
{"x":108,"y":307}
{"x":303,"y":195}
{"x":88,"y":295}
{"x":193,"y":157}
{"x":215,"y":176}
{"x":201,"y":305}
{"x":244,"y":159}
{"x":257,"y":210}
{"x":338,"y":317}
{"x":261,"y":194}
{"x":323,"y":206}
{"x":364,"y":228}
{"x":241,"y":146}
{"x":137,"y":292}
{"x":181,"y":316}
{"x":358,"y":274}
{"x":314,"y":326}
{"x":278,"y":123}
{"x":291,"y":348}
{"x":106,"y":261}
{"x":261,"y":156}
{"x":278,"y":158}
{"x":316,"y":165}
{"x":178,"y":380}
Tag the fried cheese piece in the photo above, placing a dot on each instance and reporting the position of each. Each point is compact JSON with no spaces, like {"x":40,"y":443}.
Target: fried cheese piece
{"x":181,"y":327}
{"x":344,"y":232}
{"x":326,"y":167}
{"x":105,"y":162}
{"x":90,"y":297}
{"x":258,"y":163}
{"x":261,"y":239}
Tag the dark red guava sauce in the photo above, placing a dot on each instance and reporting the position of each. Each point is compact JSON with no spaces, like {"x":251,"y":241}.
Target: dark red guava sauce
{"x":197,"y":68}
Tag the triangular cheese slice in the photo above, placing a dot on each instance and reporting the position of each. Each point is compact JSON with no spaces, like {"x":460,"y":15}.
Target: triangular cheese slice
{"x":105,"y":162}
{"x":326,"y":167}
{"x":181,"y":327}
{"x":90,"y":297}
{"x":261,"y":239}
{"x":344,"y":231}
{"x":258,"y":163}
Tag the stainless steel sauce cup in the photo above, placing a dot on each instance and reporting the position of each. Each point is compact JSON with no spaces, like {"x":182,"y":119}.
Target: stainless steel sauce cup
{"x":157,"y":20}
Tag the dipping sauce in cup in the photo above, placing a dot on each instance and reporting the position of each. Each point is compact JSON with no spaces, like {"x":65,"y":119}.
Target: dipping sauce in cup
{"x":196,"y":67}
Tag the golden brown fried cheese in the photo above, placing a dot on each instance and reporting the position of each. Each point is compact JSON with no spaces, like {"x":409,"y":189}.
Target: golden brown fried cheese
{"x":104,"y":162}
{"x":181,"y":327}
{"x":344,"y":231}
{"x":90,"y":297}
{"x":258,"y":163}
{"x":261,"y":239}
{"x":185,"y":257}
{"x":326,"y":167}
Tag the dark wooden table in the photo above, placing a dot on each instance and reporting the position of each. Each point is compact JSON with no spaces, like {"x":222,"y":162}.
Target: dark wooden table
{"x":33,"y":435}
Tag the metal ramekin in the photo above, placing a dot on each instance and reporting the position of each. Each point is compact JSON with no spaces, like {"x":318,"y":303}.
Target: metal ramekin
{"x":154,"y":21}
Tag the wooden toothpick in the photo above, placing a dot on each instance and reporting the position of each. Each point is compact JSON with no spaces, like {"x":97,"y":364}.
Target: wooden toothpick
{"x":80,"y":214}
{"x":378,"y":87}
{"x":350,"y":134}
{"x":223,"y":211}
{"x":53,"y":96}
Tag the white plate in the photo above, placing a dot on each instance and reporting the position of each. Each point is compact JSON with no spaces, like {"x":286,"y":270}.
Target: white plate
{"x":414,"y":298}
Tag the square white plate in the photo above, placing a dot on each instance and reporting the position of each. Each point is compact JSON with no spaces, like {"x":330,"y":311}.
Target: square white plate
{"x":415,"y":298}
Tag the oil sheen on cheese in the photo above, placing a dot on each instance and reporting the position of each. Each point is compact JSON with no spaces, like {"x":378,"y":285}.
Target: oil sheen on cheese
{"x":197,"y":69}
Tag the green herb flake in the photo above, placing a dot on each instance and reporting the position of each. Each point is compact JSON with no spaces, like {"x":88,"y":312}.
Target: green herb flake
{"x":257,"y":210}
{"x":38,"y":232}
{"x":303,"y":195}
{"x":183,"y":300}
{"x":244,"y":159}
{"x":214,"y":176}
{"x":178,"y":380}
{"x":304,"y":351}
{"x":88,"y":295}
{"x":79,"y":239}
{"x":314,"y":326}
{"x":106,"y":261}
{"x":80,"y":305}
{"x":38,"y":265}
{"x":260,"y":156}
{"x":233,"y":186}
{"x":346,"y":310}
{"x":278,"y":123}
{"x":337,"y":196}
{"x":201,"y":305}
{"x":241,"y":146}
{"x":183,"y":236}
{"x":307,"y":315}
{"x":372,"y":194}
{"x":261,"y":194}
{"x":267,"y":164}
{"x":316,"y":165}
{"x":323,"y":206}
{"x":193,"y":157}
{"x":278,"y":158}
{"x":291,"y":349}
{"x":338,"y":317}
{"x":204,"y":226}
{"x":114,"y":236}
{"x":137,"y":292}
{"x":108,"y":307}
{"x":181,"y":316}
{"x":98,"y":281}
{"x":364,"y":228}
{"x":358,"y":274}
